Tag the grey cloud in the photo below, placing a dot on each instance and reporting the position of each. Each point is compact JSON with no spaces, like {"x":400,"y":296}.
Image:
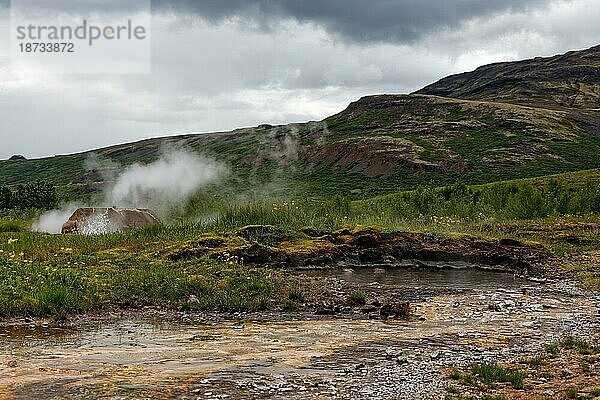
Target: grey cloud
{"x":78,"y":7}
{"x":209,"y":76}
{"x":400,"y":21}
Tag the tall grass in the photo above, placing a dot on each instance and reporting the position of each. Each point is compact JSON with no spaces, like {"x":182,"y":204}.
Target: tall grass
{"x":503,"y":201}
{"x":423,"y":208}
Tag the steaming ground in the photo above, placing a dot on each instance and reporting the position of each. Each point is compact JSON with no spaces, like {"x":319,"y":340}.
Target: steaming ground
{"x":52,"y":221}
{"x":160,"y":186}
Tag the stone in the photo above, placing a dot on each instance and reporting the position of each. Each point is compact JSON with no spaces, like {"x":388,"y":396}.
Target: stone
{"x":239,"y":325}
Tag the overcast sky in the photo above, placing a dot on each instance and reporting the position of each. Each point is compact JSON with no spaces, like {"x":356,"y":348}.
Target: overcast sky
{"x":219,"y":64}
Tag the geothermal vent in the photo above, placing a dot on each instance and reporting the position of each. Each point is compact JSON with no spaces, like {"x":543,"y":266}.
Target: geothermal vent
{"x":95,"y":221}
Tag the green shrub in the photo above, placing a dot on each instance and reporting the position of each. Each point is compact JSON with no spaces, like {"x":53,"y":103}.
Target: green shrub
{"x":357,"y":298}
{"x":35,"y":195}
{"x":492,"y":373}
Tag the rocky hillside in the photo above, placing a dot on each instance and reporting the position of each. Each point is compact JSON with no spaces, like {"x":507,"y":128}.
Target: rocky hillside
{"x":503,"y":121}
{"x":569,"y":80}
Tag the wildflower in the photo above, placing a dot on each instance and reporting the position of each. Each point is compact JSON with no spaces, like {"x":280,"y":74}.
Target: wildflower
{"x":11,"y":241}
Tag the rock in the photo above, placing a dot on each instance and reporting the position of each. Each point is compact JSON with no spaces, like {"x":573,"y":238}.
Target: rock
{"x":395,"y":310}
{"x":12,"y":363}
{"x":88,"y":220}
{"x":572,"y":239}
{"x":325,"y":311}
{"x":203,"y":338}
{"x":239,"y":325}
{"x":402,"y":360}
{"x":264,"y":234}
{"x":391,"y":353}
{"x":368,"y":309}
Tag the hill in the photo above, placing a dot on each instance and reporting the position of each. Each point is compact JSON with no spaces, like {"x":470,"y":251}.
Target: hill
{"x":503,"y":121}
{"x":570,"y":80}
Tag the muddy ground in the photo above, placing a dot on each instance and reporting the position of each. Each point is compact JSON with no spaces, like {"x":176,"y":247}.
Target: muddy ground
{"x":337,"y":349}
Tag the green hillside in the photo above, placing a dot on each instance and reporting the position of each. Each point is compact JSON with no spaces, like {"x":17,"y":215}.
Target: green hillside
{"x":482,"y":131}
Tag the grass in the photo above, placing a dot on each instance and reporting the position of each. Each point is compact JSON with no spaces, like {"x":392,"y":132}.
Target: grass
{"x":581,"y":346}
{"x":490,"y":374}
{"x":533,"y":362}
{"x":552,"y":349}
{"x":357,"y":298}
{"x":487,"y":375}
{"x":39,"y":289}
{"x":12,"y":226}
{"x":60,"y":274}
{"x":572,"y":393}
{"x":567,"y":366}
{"x":43,"y":274}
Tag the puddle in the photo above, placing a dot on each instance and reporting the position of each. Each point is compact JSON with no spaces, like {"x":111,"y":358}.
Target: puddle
{"x":459,"y":277}
{"x":499,"y":315}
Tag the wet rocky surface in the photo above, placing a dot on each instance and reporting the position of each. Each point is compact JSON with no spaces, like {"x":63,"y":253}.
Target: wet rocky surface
{"x":459,"y":316}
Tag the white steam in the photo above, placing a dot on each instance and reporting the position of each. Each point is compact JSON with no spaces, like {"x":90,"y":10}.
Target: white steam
{"x":160,"y":186}
{"x":52,"y":221}
{"x":165,"y":183}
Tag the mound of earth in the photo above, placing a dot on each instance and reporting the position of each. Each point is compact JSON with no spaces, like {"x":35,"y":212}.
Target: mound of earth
{"x":106,"y":220}
{"x":365,"y":247}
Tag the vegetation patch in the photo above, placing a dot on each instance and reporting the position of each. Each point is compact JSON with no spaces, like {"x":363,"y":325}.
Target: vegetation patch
{"x":488,"y":375}
{"x":40,"y":289}
{"x":566,"y":369}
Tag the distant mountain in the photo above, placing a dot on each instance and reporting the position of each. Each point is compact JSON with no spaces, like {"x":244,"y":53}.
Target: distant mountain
{"x":502,"y":121}
{"x":568,"y":80}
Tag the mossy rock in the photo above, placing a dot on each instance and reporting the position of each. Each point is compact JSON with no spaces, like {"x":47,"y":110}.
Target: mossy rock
{"x":263,"y":234}
{"x":198,"y":248}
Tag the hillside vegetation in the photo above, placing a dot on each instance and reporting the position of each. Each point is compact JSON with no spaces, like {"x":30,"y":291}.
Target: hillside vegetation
{"x":503,"y":121}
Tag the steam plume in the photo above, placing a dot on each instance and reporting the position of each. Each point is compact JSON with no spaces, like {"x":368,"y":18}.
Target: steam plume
{"x":167,"y":182}
{"x":161,"y":186}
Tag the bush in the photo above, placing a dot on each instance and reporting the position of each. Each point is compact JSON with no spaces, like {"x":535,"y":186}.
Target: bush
{"x":357,"y":298}
{"x":36,"y":195}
